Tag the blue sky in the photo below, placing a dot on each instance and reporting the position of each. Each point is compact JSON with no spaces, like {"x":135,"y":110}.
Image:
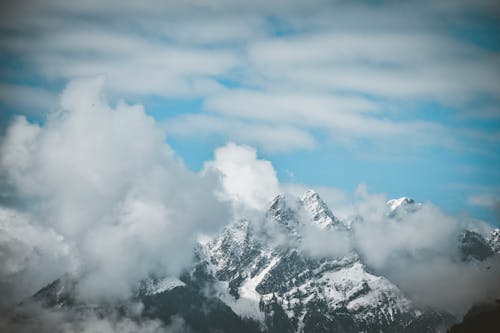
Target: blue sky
{"x":402,"y":97}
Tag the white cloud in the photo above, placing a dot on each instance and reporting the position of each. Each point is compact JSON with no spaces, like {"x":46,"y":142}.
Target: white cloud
{"x":31,"y":100}
{"x":104,"y":179}
{"x":272,"y":138}
{"x":489,"y":201}
{"x":316,"y":73}
{"x":247,"y":180}
{"x":484,"y":200}
{"x":31,"y":256}
{"x":419,"y":252}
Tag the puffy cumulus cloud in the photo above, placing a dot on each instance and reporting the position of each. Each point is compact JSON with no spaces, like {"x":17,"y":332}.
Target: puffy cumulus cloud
{"x":247,"y":180}
{"x":102,"y":181}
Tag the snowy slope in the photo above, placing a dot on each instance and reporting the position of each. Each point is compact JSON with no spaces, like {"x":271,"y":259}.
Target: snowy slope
{"x":261,"y":273}
{"x":400,"y":207}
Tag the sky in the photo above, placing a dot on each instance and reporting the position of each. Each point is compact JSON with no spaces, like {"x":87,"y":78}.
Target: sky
{"x":402,"y":97}
{"x":137,"y":128}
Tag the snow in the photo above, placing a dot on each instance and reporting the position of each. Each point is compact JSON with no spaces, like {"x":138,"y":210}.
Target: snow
{"x":319,"y":211}
{"x":247,"y":290}
{"x":395,"y":203}
{"x":494,"y":240}
{"x":155,"y":287}
{"x":403,"y":205}
{"x":248,"y":303}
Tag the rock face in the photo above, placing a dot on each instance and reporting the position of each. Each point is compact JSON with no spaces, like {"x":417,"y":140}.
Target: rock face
{"x":494,"y":240}
{"x":256,"y":276}
{"x":473,"y":246}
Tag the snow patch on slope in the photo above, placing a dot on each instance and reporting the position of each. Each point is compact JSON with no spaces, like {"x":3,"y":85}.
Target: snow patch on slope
{"x":247,"y":305}
{"x":152,"y":287}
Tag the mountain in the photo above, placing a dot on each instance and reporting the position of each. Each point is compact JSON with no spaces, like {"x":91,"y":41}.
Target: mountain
{"x":400,"y":207}
{"x":483,"y":318}
{"x":259,"y":275}
{"x":473,"y":246}
{"x":272,"y":281}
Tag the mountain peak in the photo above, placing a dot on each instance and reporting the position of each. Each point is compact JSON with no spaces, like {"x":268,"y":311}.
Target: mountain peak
{"x":286,"y":210}
{"x":395,"y":203}
{"x":319,"y":210}
{"x":281,"y":210}
{"x":402,"y":205}
{"x":310,"y":193}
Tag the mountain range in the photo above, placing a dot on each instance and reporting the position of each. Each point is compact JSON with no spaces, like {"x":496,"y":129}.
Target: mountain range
{"x":264,"y":274}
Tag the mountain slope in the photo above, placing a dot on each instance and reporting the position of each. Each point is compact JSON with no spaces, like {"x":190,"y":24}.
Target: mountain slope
{"x":264,"y":273}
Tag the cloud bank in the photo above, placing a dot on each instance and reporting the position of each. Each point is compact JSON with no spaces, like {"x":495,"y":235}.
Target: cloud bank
{"x":101,"y":182}
{"x":418,"y":249}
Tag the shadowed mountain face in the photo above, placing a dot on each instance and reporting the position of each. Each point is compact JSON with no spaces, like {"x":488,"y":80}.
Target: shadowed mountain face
{"x":474,"y":246}
{"x":257,"y":277}
{"x":483,"y":318}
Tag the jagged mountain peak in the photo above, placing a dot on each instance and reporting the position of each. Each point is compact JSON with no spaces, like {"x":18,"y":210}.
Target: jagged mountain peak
{"x":395,"y":203}
{"x":318,"y":209}
{"x":283,"y":210}
{"x":310,"y":193}
{"x":402,"y":205}
{"x":290,"y":211}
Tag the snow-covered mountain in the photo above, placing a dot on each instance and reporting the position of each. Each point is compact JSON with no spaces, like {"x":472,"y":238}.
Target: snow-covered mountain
{"x":401,"y":206}
{"x":262,"y":277}
{"x":257,"y":276}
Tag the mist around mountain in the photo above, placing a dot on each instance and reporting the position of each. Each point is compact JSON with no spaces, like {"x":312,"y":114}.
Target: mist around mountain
{"x":271,"y":273}
{"x":111,"y":232}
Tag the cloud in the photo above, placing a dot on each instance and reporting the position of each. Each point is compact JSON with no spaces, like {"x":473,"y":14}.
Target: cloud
{"x":104,"y":181}
{"x":490,"y":201}
{"x":484,"y":200}
{"x":272,"y":138}
{"x":297,"y":67}
{"x":32,"y":100}
{"x":31,"y":318}
{"x":377,"y":63}
{"x":247,"y":180}
{"x":418,"y":251}
{"x":30,"y":256}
